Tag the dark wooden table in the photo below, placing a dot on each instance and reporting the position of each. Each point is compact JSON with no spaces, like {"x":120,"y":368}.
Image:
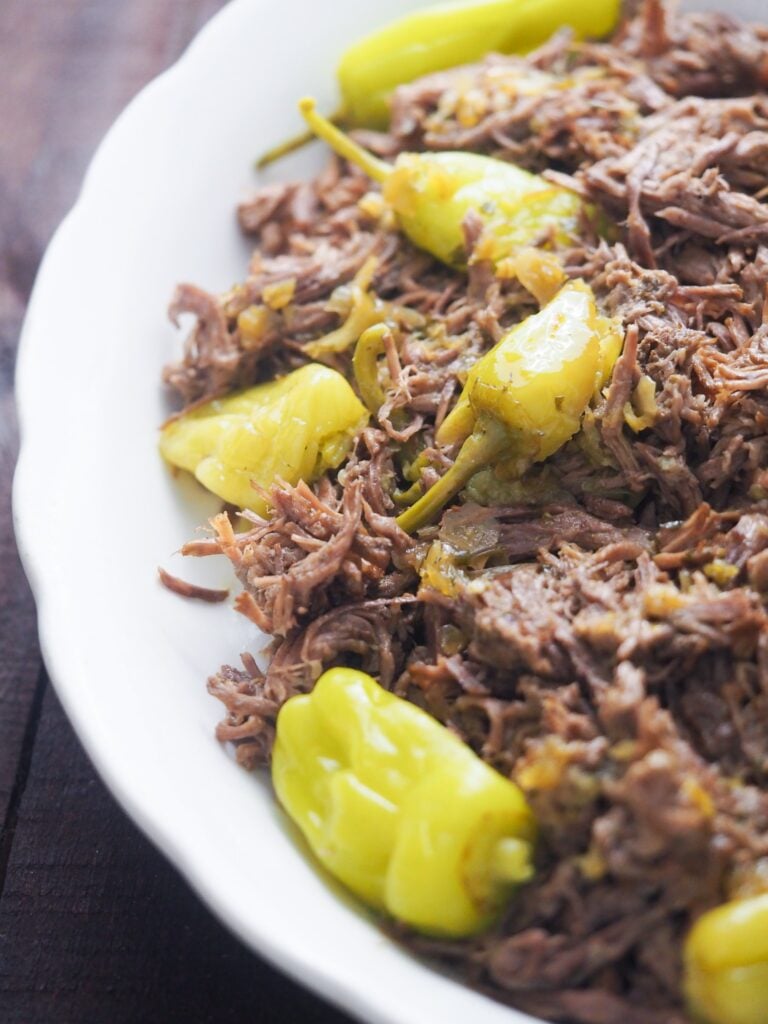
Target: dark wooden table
{"x":95,"y":926}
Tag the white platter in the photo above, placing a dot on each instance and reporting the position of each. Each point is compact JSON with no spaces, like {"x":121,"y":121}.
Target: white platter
{"x":96,"y":510}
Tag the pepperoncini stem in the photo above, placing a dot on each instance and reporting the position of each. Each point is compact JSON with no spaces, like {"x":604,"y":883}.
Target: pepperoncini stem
{"x":284,"y":148}
{"x":298,"y":141}
{"x":408,"y":496}
{"x":365,"y":365}
{"x":324,"y":129}
{"x":488,"y":441}
{"x":726,"y":963}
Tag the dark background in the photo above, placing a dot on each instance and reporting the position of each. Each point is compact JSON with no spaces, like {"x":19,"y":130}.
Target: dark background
{"x":95,"y":926}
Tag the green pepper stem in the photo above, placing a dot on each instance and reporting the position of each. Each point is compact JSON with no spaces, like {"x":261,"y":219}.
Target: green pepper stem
{"x":408,"y":496}
{"x":324,"y":129}
{"x":298,"y":141}
{"x":295,"y":142}
{"x":489,"y":439}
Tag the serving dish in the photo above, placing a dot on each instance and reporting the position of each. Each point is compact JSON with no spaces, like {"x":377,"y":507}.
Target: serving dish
{"x":96,"y":510}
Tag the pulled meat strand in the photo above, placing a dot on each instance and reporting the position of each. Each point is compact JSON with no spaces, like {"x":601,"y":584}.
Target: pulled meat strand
{"x":185,"y":589}
{"x":600,"y":631}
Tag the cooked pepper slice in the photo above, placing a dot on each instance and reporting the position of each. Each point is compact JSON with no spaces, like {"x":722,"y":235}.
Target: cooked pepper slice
{"x":432,"y":194}
{"x":398,"y":808}
{"x":726,"y":963}
{"x":525,"y":398}
{"x":290,"y":429}
{"x":365,"y":365}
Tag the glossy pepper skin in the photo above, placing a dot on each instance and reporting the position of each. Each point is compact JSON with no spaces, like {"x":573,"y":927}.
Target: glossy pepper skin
{"x":449,"y":34}
{"x":398,"y":808}
{"x":432,"y":194}
{"x":540,"y":377}
{"x":291,"y":429}
{"x":445,"y":36}
{"x":726,"y":963}
{"x":525,"y":398}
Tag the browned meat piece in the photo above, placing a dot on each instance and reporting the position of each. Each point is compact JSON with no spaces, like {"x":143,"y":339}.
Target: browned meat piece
{"x":185,"y":589}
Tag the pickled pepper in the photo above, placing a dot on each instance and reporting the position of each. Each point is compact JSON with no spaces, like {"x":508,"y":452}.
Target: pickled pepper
{"x":290,"y":429}
{"x":449,"y":34}
{"x":726,"y":963}
{"x":433,"y":193}
{"x":525,"y":398}
{"x":445,"y":36}
{"x":398,"y":808}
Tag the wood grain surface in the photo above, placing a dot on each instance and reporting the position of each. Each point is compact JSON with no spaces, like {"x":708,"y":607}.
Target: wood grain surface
{"x":95,"y":926}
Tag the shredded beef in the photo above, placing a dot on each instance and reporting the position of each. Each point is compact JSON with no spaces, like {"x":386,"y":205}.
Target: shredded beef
{"x":710,"y":54}
{"x":694,"y":166}
{"x":597,"y":630}
{"x":186,"y":589}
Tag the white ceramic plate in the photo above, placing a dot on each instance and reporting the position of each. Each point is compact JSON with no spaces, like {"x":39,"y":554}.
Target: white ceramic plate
{"x":96,"y":510}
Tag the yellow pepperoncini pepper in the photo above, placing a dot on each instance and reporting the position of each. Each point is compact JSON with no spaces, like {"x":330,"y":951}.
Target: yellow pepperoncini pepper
{"x":726,"y":963}
{"x":432,"y":194}
{"x":445,"y":36}
{"x":525,"y":398}
{"x":292,"y":429}
{"x":450,"y":34}
{"x":398,"y":808}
